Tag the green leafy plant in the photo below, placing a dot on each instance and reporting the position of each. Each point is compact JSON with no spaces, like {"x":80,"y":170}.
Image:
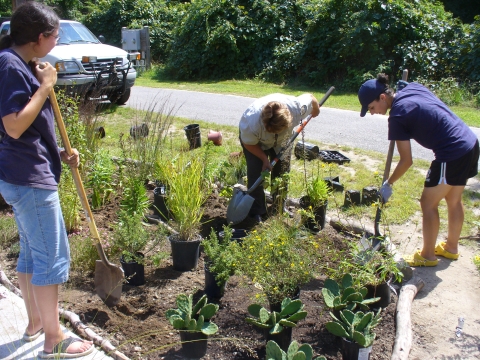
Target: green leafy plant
{"x":220,"y":255}
{"x":278,"y":257}
{"x":193,"y":317}
{"x":291,"y":312}
{"x":8,"y":230}
{"x":317,"y":191}
{"x":130,"y":236}
{"x":343,"y":295}
{"x":135,"y":200}
{"x":355,"y":327}
{"x":295,"y":352}
{"x":100,"y":180}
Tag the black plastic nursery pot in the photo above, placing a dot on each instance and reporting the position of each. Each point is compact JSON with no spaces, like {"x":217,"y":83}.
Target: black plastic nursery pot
{"x":277,"y":306}
{"x":237,"y":234}
{"x":159,"y":203}
{"x":382,"y":291}
{"x":193,"y":134}
{"x":194,"y":344}
{"x":100,"y":132}
{"x":352,"y":351}
{"x":139,"y":131}
{"x":352,"y":197}
{"x":134,"y":272}
{"x":283,"y":339}
{"x":185,"y":253}
{"x":304,"y":150}
{"x":212,"y":289}
{"x":320,"y":213}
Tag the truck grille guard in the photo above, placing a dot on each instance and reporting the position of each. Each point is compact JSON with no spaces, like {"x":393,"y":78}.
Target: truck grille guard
{"x":113,"y":83}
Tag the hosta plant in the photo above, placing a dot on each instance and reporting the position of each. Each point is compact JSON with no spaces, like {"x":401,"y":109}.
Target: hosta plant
{"x":356,"y":327}
{"x":295,"y":352}
{"x":291,"y":312}
{"x":192,"y":317}
{"x":344,"y":295}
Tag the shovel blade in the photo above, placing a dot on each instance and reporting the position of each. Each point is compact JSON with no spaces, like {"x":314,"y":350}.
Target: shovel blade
{"x":239,"y":206}
{"x":108,"y":282}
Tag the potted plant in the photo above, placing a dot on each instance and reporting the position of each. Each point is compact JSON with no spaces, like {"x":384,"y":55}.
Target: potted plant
{"x":194,"y":323}
{"x":187,"y":192}
{"x":376,"y":274}
{"x":277,"y":325}
{"x":219,"y":262}
{"x":355,"y":329}
{"x":278,"y":256}
{"x":343,"y":295}
{"x":129,"y":239}
{"x":294,"y":352}
{"x":314,"y":203}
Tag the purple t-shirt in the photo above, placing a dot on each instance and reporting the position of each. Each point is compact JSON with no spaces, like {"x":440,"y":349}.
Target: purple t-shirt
{"x":418,"y":114}
{"x":33,"y":159}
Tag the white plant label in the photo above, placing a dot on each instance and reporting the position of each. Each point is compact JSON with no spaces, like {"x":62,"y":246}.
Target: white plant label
{"x":364,"y":353}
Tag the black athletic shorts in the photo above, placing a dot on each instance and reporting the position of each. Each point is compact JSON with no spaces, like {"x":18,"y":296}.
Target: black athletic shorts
{"x":456,"y":172}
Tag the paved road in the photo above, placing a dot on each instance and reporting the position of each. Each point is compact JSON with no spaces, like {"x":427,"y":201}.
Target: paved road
{"x":332,"y":126}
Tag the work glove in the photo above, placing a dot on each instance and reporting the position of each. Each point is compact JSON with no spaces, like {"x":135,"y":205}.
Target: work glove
{"x":386,"y":191}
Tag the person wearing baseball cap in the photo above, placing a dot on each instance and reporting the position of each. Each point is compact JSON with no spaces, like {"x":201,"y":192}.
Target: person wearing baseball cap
{"x":416,"y":113}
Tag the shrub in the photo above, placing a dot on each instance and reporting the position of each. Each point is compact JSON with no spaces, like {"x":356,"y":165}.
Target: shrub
{"x":278,"y":257}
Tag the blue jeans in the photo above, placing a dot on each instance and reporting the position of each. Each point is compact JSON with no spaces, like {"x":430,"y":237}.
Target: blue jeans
{"x":44,"y":248}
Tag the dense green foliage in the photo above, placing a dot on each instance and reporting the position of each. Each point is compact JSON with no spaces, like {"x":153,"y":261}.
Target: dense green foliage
{"x":314,"y":42}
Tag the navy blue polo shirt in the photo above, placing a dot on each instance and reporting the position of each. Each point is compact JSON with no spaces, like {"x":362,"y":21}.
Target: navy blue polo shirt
{"x":416,"y":113}
{"x":33,"y":159}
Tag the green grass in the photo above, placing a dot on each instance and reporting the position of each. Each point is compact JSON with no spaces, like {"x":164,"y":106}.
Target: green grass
{"x":256,"y":88}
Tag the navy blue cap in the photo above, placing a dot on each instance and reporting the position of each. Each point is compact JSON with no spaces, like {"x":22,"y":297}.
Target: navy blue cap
{"x":369,"y":91}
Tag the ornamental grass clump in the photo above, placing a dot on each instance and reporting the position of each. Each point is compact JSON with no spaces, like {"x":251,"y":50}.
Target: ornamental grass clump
{"x":188,"y":189}
{"x":278,"y":256}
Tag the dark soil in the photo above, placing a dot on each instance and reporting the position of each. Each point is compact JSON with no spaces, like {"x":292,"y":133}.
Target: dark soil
{"x":139,"y":329}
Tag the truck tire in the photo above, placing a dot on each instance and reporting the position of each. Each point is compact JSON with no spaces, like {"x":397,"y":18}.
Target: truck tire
{"x":123,"y":98}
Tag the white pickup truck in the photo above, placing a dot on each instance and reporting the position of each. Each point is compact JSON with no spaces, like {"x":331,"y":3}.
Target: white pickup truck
{"x":88,"y":67}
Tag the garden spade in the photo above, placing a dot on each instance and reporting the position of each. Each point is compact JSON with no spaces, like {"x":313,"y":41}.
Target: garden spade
{"x":241,"y":201}
{"x":108,"y":277}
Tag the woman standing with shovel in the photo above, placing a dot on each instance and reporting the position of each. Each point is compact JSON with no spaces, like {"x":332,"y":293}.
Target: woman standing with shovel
{"x":266,"y":124}
{"x":29,"y":173}
{"x":416,"y":113}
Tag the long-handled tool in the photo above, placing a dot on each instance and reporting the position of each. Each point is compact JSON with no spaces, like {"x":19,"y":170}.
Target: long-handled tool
{"x":241,"y":201}
{"x":108,"y":277}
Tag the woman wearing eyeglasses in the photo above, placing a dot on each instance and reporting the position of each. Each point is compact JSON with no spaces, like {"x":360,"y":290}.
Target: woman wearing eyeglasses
{"x":30,"y":166}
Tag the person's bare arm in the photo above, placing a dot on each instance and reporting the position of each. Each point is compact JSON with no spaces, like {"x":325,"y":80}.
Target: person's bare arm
{"x":258,"y":152}
{"x":405,"y":150}
{"x":16,"y":123}
{"x":315,"y":107}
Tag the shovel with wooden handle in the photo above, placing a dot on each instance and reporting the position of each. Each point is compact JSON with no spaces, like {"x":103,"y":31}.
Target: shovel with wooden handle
{"x":108,"y":277}
{"x":242,"y":201}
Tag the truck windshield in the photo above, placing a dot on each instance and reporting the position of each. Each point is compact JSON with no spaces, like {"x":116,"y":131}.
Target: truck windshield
{"x":75,"y":33}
